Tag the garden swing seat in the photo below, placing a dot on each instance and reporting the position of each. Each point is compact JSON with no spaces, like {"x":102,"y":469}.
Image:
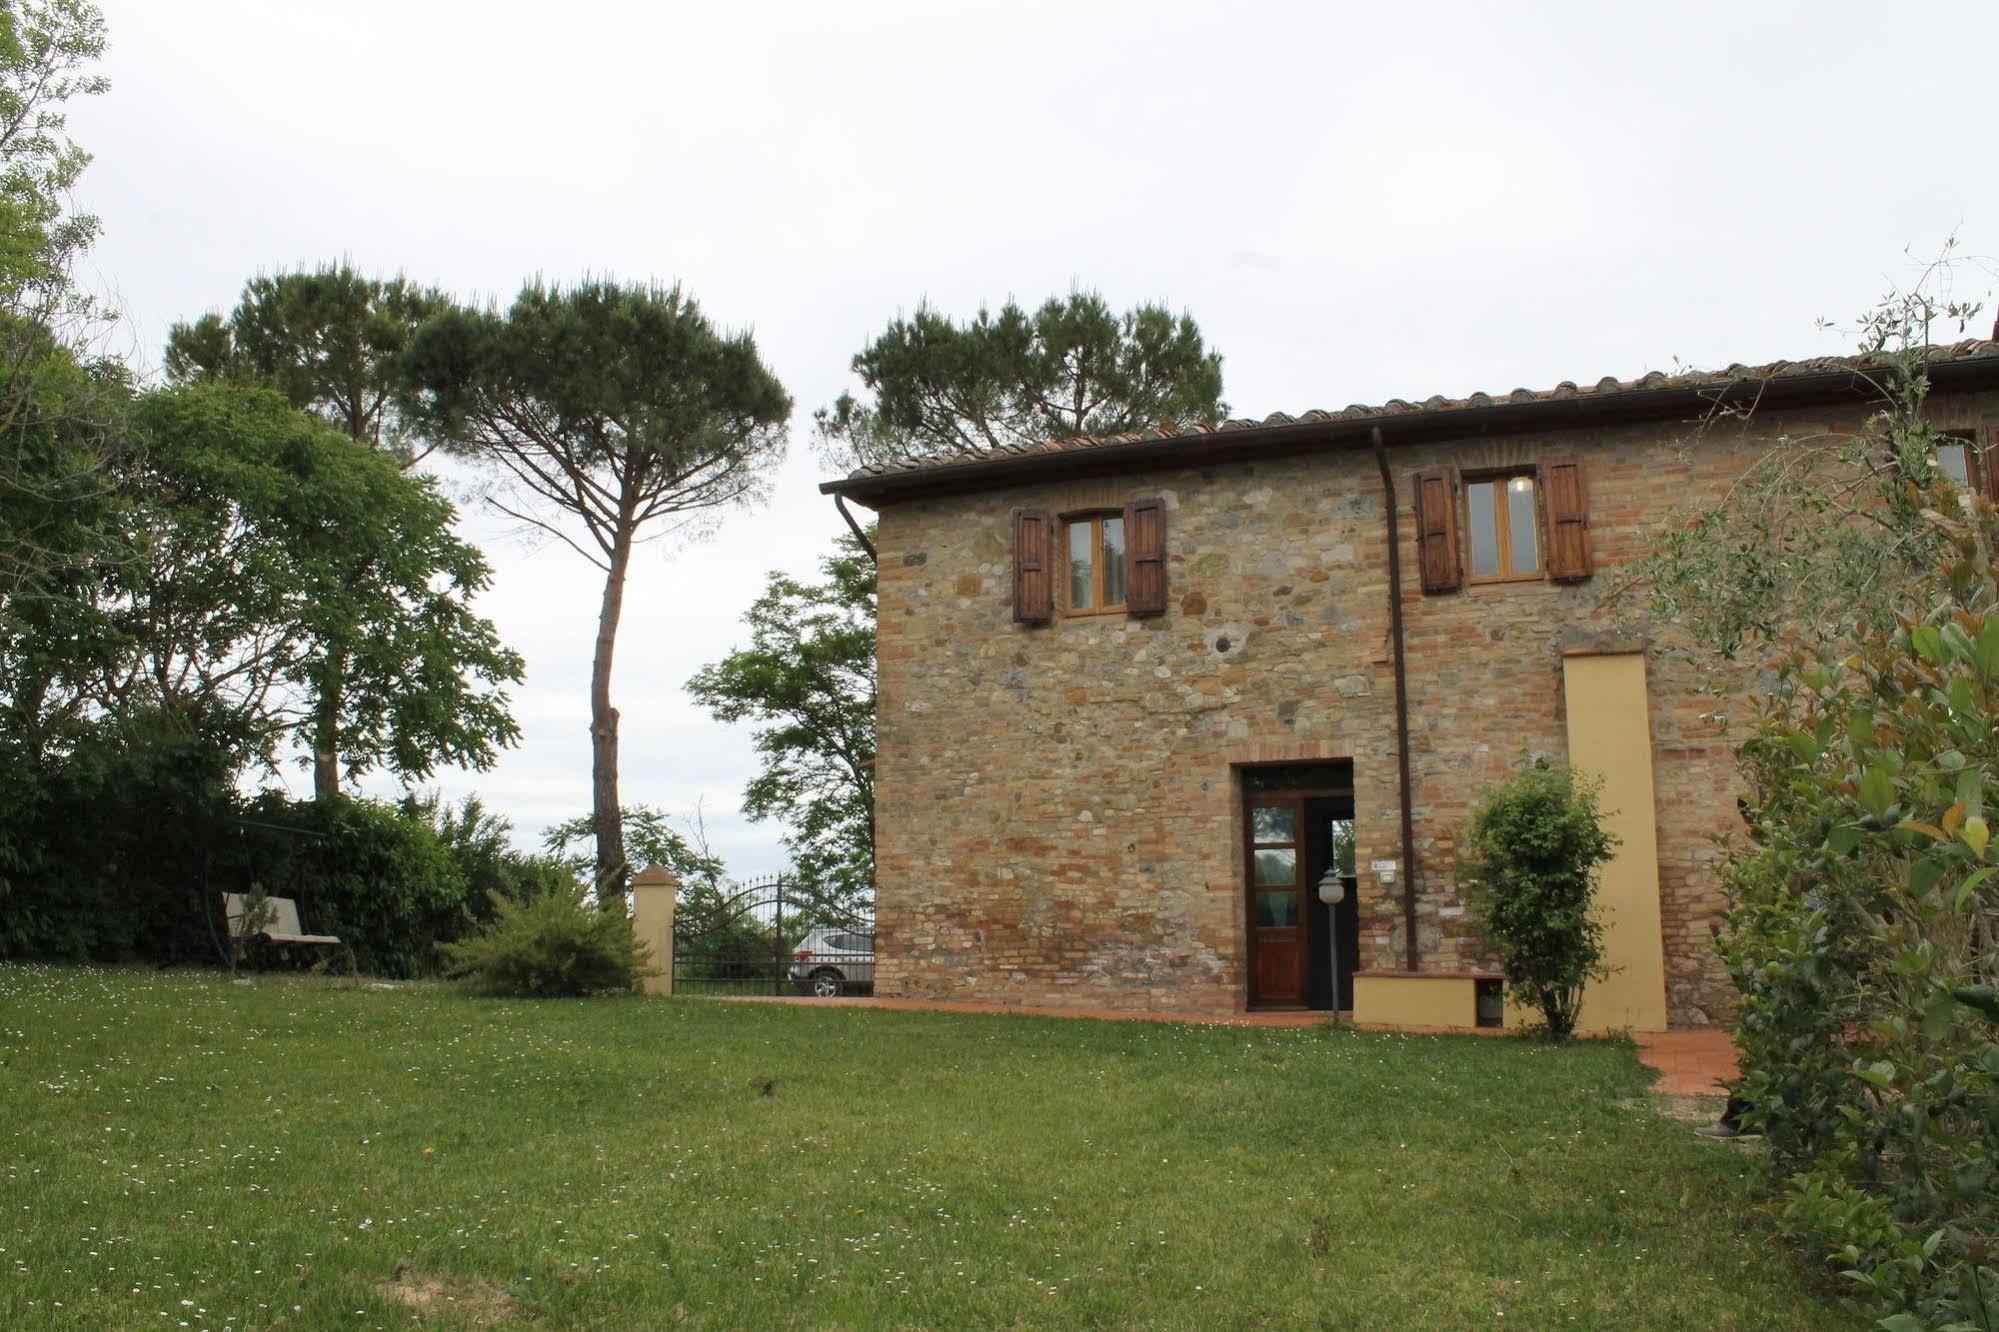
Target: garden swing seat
{"x":271,"y":920}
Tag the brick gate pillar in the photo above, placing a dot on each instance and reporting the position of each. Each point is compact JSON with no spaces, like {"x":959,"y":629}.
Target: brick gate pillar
{"x":653,"y":893}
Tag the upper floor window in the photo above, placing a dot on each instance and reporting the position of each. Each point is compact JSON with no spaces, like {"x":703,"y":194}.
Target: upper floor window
{"x":1523,"y":524}
{"x":1112,"y":561}
{"x":1096,"y":564}
{"x":1505,"y":528}
{"x":1958,"y":458}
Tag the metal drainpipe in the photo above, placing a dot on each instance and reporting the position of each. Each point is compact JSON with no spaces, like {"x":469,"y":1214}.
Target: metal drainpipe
{"x":840,"y":503}
{"x":1411,"y":957}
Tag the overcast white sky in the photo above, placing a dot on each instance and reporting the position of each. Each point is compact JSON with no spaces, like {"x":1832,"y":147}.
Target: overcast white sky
{"x":1357,"y":202}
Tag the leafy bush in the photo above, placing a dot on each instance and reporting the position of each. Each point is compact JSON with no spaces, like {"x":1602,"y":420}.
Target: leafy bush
{"x":1863,"y":917}
{"x":1863,"y":937}
{"x":480,"y":843}
{"x":1529,"y":874}
{"x":552,"y":946}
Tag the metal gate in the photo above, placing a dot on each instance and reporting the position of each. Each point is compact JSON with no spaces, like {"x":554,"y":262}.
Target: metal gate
{"x":770,"y":936}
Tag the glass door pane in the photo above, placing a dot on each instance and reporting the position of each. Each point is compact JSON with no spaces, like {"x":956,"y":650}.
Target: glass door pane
{"x":1343,"y":847}
{"x":1276,"y":866}
{"x":1277,"y":907}
{"x":1273,"y":825}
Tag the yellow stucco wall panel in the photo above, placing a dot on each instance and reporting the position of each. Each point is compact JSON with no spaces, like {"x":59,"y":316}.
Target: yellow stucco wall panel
{"x":1610,"y":738}
{"x":1415,"y":1001}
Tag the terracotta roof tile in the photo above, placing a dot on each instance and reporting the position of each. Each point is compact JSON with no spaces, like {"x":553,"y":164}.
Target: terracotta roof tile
{"x":1735,"y":374}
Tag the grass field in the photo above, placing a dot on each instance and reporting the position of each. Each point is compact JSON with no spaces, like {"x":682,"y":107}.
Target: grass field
{"x":176,"y":1151}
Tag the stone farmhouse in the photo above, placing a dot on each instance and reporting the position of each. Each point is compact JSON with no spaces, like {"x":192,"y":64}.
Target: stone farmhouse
{"x":1140,"y":697}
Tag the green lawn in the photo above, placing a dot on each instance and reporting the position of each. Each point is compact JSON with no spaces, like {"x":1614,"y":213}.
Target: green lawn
{"x":176,"y":1151}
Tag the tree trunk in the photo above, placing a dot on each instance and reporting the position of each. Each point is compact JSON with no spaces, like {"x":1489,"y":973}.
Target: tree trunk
{"x":612,"y":872}
{"x":326,"y":740}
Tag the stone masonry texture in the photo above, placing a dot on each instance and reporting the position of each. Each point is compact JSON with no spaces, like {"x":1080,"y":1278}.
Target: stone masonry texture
{"x":1059,"y":806}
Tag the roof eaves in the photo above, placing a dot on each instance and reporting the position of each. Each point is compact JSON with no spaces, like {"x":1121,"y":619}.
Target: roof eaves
{"x":1653,"y":395}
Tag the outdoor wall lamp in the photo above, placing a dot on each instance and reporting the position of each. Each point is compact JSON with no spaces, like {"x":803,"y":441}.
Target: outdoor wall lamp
{"x":1333,"y":891}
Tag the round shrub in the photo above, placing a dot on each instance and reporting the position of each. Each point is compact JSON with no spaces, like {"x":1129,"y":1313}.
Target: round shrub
{"x":557,"y":944}
{"x":1529,"y":874}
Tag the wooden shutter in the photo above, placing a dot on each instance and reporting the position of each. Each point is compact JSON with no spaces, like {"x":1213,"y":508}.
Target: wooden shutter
{"x":1033,"y":569}
{"x":1437,"y":529}
{"x":1145,"y":557}
{"x":1986,"y":468}
{"x":1567,"y":504}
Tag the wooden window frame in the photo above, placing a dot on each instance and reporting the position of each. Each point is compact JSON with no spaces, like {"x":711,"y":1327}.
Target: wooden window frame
{"x":1095,"y":518}
{"x":1295,"y":803}
{"x":1502,"y":519}
{"x":1974,"y":457}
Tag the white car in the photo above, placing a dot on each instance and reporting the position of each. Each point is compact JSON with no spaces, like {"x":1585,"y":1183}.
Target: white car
{"x":833,"y":961}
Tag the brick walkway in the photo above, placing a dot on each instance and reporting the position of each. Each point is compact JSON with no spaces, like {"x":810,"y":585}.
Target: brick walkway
{"x":1698,"y":1062}
{"x":1032,"y":1010}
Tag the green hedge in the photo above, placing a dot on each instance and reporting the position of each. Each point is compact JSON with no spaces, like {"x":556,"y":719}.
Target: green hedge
{"x":106,"y":850}
{"x":1864,"y":939}
{"x":122,"y":852}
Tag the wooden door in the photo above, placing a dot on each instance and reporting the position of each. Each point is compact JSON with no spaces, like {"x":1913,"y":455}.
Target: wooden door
{"x":1276,"y":912}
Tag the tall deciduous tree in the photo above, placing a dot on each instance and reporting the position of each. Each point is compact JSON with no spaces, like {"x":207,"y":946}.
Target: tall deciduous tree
{"x":47,"y":48}
{"x":62,"y":437}
{"x":807,"y":682}
{"x":65,"y":529}
{"x":1074,"y":367}
{"x":619,"y":410}
{"x":58,"y":410}
{"x":331,"y":340}
{"x":273,"y":551}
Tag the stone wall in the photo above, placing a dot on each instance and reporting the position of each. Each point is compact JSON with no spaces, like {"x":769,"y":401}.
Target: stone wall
{"x":1058,"y":810}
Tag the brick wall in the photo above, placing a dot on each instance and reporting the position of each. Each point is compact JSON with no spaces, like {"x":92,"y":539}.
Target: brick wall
{"x":1058,"y":817}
